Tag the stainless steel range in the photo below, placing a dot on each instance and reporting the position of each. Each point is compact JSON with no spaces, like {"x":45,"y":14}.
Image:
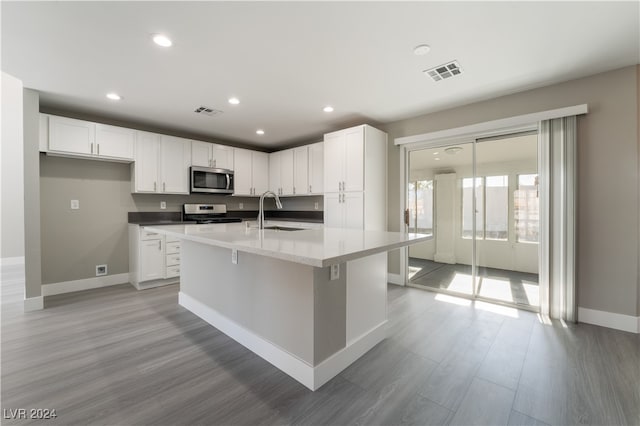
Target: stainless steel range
{"x":207,"y":213}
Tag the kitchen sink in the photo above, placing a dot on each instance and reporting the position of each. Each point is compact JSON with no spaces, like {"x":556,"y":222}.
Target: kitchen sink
{"x":283,"y":228}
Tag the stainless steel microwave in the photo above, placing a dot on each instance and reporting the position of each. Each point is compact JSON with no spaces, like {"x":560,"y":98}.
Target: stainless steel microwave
{"x":215,"y":181}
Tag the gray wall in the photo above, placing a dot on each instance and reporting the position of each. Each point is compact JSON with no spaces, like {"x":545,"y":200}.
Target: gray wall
{"x":75,"y":241}
{"x":12,"y":177}
{"x":608,"y":192}
{"x":33,"y":270}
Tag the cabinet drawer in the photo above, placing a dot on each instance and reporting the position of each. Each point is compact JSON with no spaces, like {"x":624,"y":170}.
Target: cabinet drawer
{"x":173,"y":247}
{"x":173,"y":259}
{"x":172,"y":239}
{"x":173,"y":271}
{"x":147,"y":235}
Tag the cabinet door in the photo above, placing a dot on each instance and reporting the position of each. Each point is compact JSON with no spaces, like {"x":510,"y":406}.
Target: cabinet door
{"x":175,"y":155}
{"x":147,"y":158}
{"x":201,"y":154}
{"x":151,"y":260}
{"x":333,"y":161}
{"x":316,"y":168}
{"x":73,"y":136}
{"x":242,"y":171}
{"x":286,"y":171}
{"x":115,"y":142}
{"x":353,"y":204}
{"x":222,"y":157}
{"x":301,"y":170}
{"x":354,"y":154}
{"x":260,"y":173}
{"x":274,"y":172}
{"x":333,"y":210}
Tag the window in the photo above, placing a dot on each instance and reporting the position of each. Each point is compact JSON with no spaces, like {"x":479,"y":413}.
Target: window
{"x":492,"y":207}
{"x":527,"y":209}
{"x":421,"y":206}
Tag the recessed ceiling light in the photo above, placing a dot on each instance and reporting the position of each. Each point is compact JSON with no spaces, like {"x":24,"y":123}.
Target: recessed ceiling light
{"x":114,"y":96}
{"x":260,"y":132}
{"x":234,"y":101}
{"x":437,"y":159}
{"x":453,"y":150}
{"x":328,"y":108}
{"x":435,"y":153}
{"x":421,"y":49}
{"x":162,"y":40}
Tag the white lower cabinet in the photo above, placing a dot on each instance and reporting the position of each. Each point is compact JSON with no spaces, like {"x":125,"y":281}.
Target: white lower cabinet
{"x":344,"y":210}
{"x":154,"y":260}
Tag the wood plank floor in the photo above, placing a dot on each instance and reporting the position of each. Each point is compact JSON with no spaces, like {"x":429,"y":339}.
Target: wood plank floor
{"x":117,"y":356}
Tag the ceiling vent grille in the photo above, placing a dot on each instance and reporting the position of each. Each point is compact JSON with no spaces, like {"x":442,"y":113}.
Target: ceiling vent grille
{"x":445,"y":71}
{"x":207,"y":111}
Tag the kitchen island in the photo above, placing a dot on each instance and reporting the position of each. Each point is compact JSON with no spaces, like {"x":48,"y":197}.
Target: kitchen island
{"x":309,"y":301}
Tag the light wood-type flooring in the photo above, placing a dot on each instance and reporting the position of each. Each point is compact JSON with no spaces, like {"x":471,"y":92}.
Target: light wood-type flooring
{"x":117,"y":356}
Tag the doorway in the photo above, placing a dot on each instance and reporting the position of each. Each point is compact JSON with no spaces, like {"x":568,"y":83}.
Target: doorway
{"x":479,"y":201}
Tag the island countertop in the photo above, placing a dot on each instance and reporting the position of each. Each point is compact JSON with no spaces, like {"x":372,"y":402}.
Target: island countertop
{"x":314,"y":247}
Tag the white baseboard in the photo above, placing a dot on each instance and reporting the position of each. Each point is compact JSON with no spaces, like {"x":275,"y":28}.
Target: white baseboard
{"x":395,"y":279}
{"x":311,"y":377}
{"x":33,"y":304}
{"x":449,"y":258}
{"x":609,"y":319}
{"x":84,"y":284}
{"x":9,"y":261}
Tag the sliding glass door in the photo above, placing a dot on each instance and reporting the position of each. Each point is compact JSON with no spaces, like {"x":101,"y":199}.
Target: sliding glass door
{"x":479,"y":202}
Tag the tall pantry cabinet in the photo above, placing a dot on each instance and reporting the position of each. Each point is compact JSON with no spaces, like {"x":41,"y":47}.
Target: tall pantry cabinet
{"x":355,"y":178}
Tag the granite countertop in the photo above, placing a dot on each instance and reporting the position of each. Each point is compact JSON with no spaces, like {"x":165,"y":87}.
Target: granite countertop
{"x":319,"y":247}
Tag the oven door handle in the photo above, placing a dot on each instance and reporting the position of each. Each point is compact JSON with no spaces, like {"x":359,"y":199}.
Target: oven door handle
{"x":228,"y":180}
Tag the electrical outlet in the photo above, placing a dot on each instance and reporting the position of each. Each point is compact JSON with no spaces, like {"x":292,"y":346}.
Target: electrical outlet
{"x":234,"y":256}
{"x":75,"y":204}
{"x":241,"y":206}
{"x":163,"y":205}
{"x":315,"y":205}
{"x":101,"y":270}
{"x":335,"y":272}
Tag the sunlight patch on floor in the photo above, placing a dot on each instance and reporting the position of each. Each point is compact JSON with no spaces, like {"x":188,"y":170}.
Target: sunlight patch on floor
{"x":451,"y":299}
{"x":498,"y":289}
{"x":413,"y":270}
{"x":533,"y":293}
{"x":461,"y":283}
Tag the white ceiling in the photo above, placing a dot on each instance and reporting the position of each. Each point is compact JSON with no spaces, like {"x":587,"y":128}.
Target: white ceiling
{"x":285,"y":60}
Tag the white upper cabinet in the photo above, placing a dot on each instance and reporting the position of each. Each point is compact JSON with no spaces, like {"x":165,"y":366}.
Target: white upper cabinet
{"x":145,"y":170}
{"x":175,"y":157}
{"x":161,"y":164}
{"x":205,"y":154}
{"x":86,"y":139}
{"x":71,"y":136}
{"x":316,"y":168}
{"x":301,"y":170}
{"x":344,"y":160}
{"x":274,"y":172}
{"x":286,"y":172}
{"x":251,"y":172}
{"x":115,"y":142}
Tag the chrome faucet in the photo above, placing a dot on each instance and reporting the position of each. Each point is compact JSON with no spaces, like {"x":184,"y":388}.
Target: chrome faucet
{"x":261,"y":212}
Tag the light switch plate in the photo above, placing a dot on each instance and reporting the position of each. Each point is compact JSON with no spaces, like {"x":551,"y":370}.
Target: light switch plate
{"x":75,"y":204}
{"x":163,"y":205}
{"x":241,"y":206}
{"x":335,"y":272}
{"x":234,"y":256}
{"x":315,"y":205}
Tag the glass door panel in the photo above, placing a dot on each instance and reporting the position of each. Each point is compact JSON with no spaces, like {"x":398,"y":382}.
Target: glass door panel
{"x":434,"y":203}
{"x":506,"y":246}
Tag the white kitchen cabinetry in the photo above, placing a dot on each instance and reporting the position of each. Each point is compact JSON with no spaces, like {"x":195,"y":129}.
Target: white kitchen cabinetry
{"x":355,"y":178}
{"x":301,"y":170}
{"x":251,"y":172}
{"x":161,"y":164}
{"x":79,"y":138}
{"x":154,"y":260}
{"x":316,"y":168}
{"x":281,"y":169}
{"x":205,"y":154}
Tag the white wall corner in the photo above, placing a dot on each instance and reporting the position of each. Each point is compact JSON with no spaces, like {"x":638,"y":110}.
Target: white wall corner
{"x":609,"y":319}
{"x":84,"y":284}
{"x":33,"y":304}
{"x":394,"y":279}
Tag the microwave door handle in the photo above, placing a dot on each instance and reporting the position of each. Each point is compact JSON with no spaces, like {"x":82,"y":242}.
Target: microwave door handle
{"x":228,"y":181}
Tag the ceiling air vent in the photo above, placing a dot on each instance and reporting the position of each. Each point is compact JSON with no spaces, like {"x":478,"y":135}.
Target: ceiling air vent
{"x":442,"y":72}
{"x":207,"y":111}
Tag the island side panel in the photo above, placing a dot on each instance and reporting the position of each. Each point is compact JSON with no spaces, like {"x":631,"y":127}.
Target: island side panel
{"x":271,"y":298}
{"x":366,"y":295}
{"x":329,"y":313}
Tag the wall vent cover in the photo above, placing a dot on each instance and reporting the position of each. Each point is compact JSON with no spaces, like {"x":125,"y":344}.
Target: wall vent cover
{"x":445,"y":71}
{"x":207,"y":111}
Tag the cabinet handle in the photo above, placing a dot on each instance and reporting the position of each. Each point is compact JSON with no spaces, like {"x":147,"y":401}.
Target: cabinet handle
{"x":164,"y":187}
{"x":310,"y":189}
{"x":154,"y":186}
{"x":92,"y":148}
{"x":214,"y":162}
{"x":209,"y":162}
{"x":159,"y":244}
{"x":294,"y":190}
{"x":98,"y":148}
